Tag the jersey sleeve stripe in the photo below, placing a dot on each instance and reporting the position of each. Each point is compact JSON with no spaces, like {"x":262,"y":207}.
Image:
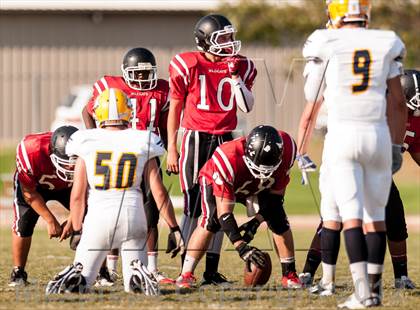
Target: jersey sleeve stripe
{"x":183,"y":64}
{"x":220,"y":168}
{"x":19,"y":164}
{"x":248,"y":69}
{"x":172,"y":63}
{"x":25,"y":156}
{"x":292,"y":159}
{"x":105,"y":83}
{"x":226,"y":162}
{"x":98,"y":88}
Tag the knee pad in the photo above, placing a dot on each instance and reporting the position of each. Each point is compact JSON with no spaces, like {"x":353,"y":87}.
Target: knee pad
{"x":271,"y":209}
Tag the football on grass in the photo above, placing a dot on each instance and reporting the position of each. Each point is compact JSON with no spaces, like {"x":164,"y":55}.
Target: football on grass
{"x":258,"y":276}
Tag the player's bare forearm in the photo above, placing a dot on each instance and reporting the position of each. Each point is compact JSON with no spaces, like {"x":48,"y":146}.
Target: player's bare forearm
{"x":37,"y":203}
{"x":159,"y":192}
{"x":307,"y":125}
{"x":396,"y":110}
{"x":78,"y":195}
{"x":88,"y":119}
{"x":175,"y":109}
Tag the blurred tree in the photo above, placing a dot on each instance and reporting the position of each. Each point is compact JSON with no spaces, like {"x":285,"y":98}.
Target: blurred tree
{"x":262,"y":23}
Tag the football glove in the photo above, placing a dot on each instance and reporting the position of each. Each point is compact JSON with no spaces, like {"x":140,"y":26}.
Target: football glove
{"x":70,"y":280}
{"x":175,"y":242}
{"x":305,"y":165}
{"x":143,"y":280}
{"x":233,"y":65}
{"x":396,"y":157}
{"x":75,"y":239}
{"x":251,"y":255}
{"x":250,"y":229}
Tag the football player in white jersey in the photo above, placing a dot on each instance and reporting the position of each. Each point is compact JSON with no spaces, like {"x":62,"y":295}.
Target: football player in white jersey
{"x":110,"y":165}
{"x":355,"y":72}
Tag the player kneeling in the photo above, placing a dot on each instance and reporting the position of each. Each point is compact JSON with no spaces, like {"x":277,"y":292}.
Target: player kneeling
{"x":111,"y":161}
{"x":253,"y":169}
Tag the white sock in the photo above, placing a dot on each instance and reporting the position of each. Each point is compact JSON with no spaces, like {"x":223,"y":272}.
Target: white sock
{"x":111,"y":262}
{"x":328,"y":273}
{"x":360,"y":280}
{"x":152,"y":261}
{"x":189,"y":264}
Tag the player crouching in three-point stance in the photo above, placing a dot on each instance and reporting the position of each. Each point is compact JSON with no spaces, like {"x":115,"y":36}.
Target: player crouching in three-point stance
{"x":43,"y":172}
{"x":252,"y":170}
{"x":110,"y":165}
{"x":352,"y":68}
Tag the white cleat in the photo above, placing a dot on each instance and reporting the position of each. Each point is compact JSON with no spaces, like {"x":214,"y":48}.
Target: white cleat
{"x":322,"y":289}
{"x":305,"y":278}
{"x":404,"y":283}
{"x":353,"y":303}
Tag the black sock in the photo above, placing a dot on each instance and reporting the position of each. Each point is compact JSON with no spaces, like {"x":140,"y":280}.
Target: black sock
{"x":287,"y":265}
{"x":212,"y":262}
{"x":376,"y":245}
{"x":313,"y":259}
{"x":330,"y":246}
{"x":355,"y":245}
{"x":400,"y":266}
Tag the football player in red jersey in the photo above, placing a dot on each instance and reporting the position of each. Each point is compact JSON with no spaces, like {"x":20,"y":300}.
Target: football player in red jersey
{"x":149,"y":98}
{"x":207,"y":87}
{"x":43,"y":172}
{"x":394,"y":210}
{"x":252,"y":170}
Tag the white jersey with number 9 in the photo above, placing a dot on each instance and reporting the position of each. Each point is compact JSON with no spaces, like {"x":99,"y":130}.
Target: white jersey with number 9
{"x":353,"y":65}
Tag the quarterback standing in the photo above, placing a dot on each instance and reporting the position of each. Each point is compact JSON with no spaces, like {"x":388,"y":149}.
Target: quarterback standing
{"x":148,"y":96}
{"x":206,"y":88}
{"x":351,"y":68}
{"x":253,"y":170}
{"x":43,"y":172}
{"x":109,"y":169}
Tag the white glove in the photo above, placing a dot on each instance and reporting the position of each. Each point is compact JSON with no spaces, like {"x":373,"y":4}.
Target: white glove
{"x":305,"y":165}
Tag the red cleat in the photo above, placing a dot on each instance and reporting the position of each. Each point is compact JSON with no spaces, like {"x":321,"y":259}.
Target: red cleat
{"x":186,"y":280}
{"x":291,"y":281}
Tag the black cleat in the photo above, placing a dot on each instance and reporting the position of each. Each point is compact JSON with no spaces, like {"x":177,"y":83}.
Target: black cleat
{"x":18,"y":277}
{"x":104,"y":278}
{"x":215,"y":278}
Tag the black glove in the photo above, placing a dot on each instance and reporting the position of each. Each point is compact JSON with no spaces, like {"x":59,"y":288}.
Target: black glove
{"x":251,"y":255}
{"x":250,"y":229}
{"x":396,"y":157}
{"x":75,"y":239}
{"x":175,"y":242}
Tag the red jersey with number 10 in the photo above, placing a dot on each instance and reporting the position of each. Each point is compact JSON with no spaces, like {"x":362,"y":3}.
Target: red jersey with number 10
{"x":150,"y":105}
{"x":33,"y":163}
{"x":206,"y":89}
{"x":230,"y":178}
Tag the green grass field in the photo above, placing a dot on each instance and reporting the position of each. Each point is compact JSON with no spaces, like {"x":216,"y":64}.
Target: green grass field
{"x":48,"y":257}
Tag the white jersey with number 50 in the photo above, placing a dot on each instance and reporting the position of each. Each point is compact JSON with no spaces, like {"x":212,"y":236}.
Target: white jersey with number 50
{"x":349,"y":67}
{"x":115,"y":162}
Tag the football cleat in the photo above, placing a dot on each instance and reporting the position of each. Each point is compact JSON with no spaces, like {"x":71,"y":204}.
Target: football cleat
{"x":305,"y":278}
{"x":104,"y":278}
{"x":291,"y":281}
{"x":143,"y":280}
{"x":161,"y":278}
{"x":404,"y":283}
{"x":215,"y":278}
{"x":70,"y":280}
{"x":18,"y":277}
{"x":353,"y":303}
{"x":186,"y":281}
{"x":322,"y":289}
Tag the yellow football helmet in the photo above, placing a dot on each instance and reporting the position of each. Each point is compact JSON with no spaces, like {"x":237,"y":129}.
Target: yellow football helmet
{"x":345,"y":11}
{"x":112,"y":108}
